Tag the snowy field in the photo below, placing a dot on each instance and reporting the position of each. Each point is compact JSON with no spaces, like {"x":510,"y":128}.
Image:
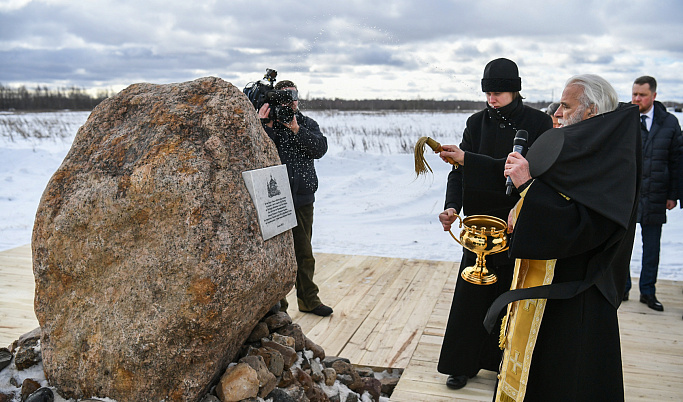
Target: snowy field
{"x":369,"y":201}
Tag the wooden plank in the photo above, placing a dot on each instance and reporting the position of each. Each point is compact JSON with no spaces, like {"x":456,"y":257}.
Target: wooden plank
{"x":345,"y":292}
{"x":381,"y":309}
{"x":421,"y":378}
{"x":408,"y":318}
{"x":16,"y":294}
{"x":652,"y":354}
{"x":328,"y":265}
{"x":353,"y":310}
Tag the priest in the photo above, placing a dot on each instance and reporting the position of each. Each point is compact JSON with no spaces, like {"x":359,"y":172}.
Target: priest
{"x":572,"y":236}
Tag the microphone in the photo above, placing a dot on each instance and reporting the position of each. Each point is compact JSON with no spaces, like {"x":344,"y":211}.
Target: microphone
{"x":518,"y":145}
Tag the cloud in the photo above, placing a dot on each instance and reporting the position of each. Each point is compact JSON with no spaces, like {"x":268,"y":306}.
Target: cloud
{"x":349,"y":49}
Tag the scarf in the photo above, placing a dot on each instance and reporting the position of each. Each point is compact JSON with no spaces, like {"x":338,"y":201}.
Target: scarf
{"x":507,"y":113}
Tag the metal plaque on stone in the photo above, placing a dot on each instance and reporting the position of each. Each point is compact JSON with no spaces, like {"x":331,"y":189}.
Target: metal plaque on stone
{"x":269,"y":189}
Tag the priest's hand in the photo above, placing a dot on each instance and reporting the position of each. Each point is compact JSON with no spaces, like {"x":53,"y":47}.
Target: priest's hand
{"x":447,"y":218}
{"x":517,"y":168}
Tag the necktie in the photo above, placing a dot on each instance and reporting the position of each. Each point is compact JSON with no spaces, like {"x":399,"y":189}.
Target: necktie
{"x":643,"y":124}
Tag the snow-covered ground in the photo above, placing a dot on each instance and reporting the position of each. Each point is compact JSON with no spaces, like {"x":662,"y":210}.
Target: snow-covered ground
{"x":369,"y":201}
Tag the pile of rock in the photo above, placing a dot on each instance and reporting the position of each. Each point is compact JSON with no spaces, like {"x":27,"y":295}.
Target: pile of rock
{"x":284,"y":365}
{"x":24,"y":358}
{"x":278,"y":363}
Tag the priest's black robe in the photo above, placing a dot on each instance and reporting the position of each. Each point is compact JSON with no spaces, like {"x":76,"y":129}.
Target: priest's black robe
{"x":581,"y":211}
{"x":577,"y":356}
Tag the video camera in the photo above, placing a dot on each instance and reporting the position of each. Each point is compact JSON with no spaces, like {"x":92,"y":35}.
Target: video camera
{"x":262,"y":91}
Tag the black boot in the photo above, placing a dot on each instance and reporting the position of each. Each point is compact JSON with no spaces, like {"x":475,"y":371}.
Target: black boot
{"x":456,"y":381}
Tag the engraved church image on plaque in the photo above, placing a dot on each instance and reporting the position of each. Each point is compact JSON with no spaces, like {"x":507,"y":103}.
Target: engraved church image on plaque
{"x":270,"y":192}
{"x":273,"y":190}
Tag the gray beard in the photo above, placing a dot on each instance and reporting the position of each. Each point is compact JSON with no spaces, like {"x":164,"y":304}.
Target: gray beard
{"x":576,"y":117}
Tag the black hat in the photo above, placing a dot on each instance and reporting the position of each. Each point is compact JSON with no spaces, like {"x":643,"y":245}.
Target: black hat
{"x":501,"y":75}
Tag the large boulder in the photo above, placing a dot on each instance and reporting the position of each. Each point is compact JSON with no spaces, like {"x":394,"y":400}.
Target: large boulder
{"x":150,"y":267}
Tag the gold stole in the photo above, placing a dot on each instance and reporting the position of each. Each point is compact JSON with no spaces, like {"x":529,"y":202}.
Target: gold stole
{"x":520,"y":326}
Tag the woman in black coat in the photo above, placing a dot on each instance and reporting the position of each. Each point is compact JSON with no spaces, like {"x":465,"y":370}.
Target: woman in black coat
{"x":487,"y":140}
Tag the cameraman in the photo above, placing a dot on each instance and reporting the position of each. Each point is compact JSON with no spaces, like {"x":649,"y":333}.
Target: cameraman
{"x":299,"y":142}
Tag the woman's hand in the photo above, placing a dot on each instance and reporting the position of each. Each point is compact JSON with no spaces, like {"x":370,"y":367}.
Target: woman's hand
{"x":447,"y":218}
{"x":453,"y":153}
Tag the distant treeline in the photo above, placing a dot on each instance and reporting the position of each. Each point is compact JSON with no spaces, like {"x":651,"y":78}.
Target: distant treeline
{"x":43,"y":98}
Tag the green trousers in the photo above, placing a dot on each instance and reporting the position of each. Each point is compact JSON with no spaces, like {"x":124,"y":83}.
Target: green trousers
{"x":306,"y":289}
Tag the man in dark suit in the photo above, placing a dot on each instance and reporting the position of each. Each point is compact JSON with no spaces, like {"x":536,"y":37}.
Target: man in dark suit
{"x":662,"y":142}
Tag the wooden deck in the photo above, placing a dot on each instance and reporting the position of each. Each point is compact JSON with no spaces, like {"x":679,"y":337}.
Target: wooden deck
{"x":391,"y":313}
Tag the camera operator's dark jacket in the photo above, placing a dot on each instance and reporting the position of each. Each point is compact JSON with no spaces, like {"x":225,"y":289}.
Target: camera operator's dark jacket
{"x":298,"y":152}
{"x":661,"y":154}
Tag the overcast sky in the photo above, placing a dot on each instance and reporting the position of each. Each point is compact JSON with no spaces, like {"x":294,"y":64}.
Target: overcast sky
{"x":351,"y":49}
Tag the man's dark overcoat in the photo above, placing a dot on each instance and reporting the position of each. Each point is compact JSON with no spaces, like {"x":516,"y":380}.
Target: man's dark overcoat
{"x":661,"y":157}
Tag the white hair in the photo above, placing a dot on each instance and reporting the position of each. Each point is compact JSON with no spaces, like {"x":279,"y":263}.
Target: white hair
{"x":597,"y":92}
